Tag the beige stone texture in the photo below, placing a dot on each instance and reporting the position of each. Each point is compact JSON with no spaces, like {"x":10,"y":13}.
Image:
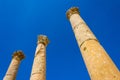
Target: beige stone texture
{"x":14,"y":65}
{"x":39,"y":64}
{"x":12,"y":71}
{"x":81,"y":30}
{"x":98,"y":63}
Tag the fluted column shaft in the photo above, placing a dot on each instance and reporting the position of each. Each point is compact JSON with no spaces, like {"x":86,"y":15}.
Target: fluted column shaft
{"x":39,"y":64}
{"x":99,"y":64}
{"x":14,"y":65}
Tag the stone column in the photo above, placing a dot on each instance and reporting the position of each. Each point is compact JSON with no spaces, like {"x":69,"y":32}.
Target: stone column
{"x":13,"y":68}
{"x":39,"y":64}
{"x":99,"y":64}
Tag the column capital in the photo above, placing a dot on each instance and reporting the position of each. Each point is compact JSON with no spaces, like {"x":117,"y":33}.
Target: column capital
{"x":43,"y":39}
{"x":18,"y":55}
{"x":71,"y":11}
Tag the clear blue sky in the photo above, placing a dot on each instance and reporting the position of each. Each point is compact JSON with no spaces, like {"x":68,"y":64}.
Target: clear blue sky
{"x":21,"y":21}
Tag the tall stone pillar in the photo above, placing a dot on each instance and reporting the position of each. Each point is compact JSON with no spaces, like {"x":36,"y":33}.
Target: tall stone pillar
{"x":13,"y":68}
{"x":39,"y":64}
{"x":99,"y":64}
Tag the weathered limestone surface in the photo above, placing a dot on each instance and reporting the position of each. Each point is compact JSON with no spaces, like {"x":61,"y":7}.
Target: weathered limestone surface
{"x":39,"y":64}
{"x":81,"y":30}
{"x":13,"y":68}
{"x":98,"y":63}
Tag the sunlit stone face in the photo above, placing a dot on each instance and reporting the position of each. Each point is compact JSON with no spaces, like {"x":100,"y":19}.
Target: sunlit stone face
{"x":98,"y":63}
{"x":81,"y":30}
{"x":14,"y":65}
{"x":39,"y":64}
